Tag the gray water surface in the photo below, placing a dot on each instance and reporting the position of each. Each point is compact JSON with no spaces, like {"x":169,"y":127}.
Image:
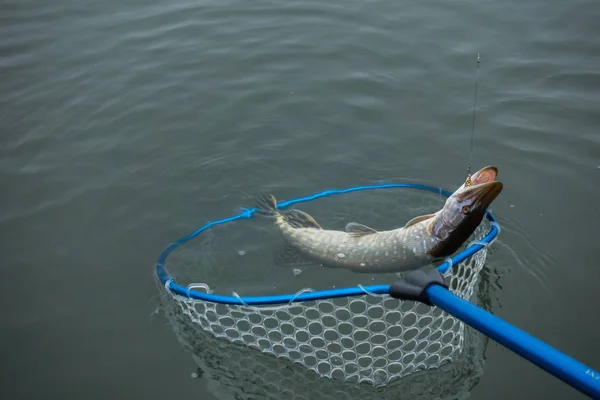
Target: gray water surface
{"x":128,"y":124}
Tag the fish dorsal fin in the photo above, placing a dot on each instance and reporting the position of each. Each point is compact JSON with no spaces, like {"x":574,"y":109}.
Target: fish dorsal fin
{"x":300,"y":219}
{"x":356,"y":229}
{"x":418,"y":219}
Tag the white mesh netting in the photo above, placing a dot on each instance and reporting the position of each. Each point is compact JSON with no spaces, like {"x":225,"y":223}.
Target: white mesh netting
{"x":366,"y":339}
{"x":371,"y":338}
{"x":239,"y":372}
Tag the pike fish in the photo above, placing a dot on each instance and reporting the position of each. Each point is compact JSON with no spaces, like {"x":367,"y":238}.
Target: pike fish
{"x":421,"y":241}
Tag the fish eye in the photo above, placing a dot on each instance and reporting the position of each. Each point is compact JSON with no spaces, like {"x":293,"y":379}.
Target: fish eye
{"x":466,"y":209}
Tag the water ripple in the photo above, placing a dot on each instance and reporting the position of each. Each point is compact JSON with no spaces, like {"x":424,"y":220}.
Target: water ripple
{"x":124,"y":118}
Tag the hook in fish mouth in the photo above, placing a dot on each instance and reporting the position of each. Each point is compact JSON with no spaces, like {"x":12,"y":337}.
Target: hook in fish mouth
{"x":481,"y":195}
{"x":483,"y":189}
{"x":485,"y":174}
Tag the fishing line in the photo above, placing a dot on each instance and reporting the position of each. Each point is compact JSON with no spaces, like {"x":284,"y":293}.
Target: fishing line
{"x":468,"y":181}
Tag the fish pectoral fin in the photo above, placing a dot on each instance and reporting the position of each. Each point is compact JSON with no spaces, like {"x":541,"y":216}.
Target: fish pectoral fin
{"x":418,"y":219}
{"x":300,"y":219}
{"x":289,"y":257}
{"x":356,"y":229}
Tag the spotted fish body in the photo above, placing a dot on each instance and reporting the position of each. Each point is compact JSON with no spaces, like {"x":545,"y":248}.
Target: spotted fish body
{"x":357,"y":248}
{"x":420,"y":242}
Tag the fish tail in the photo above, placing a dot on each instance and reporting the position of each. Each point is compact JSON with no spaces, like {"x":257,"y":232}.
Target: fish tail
{"x":267,"y":205}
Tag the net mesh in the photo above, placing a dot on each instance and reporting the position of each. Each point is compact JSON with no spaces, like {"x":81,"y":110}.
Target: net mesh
{"x":371,"y":338}
{"x":232,"y":371}
{"x":365,"y":339}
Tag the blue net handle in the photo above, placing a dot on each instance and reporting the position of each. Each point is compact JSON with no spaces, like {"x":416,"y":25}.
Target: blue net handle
{"x":171,"y":285}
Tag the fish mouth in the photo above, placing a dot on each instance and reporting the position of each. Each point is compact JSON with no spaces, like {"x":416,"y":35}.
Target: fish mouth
{"x":484,"y":188}
{"x":483,"y":194}
{"x":486,"y":174}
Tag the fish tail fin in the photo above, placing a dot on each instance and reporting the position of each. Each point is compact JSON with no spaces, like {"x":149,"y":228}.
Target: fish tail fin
{"x":300,"y":219}
{"x":267,"y":205}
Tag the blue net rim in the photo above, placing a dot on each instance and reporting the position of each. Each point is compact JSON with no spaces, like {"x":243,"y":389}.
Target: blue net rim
{"x":172,"y":286}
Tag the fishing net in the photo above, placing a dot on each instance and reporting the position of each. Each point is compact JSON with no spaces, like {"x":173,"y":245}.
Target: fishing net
{"x":366,"y":338}
{"x":232,"y":371}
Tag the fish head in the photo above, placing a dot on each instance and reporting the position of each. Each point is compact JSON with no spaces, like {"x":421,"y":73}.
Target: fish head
{"x":464,"y":210}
